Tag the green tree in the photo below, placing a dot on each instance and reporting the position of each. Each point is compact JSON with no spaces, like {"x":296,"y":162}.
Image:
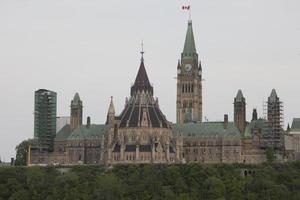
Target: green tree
{"x":270,"y":154}
{"x":65,"y":186}
{"x":21,"y":152}
{"x":108,"y":187}
{"x":214,"y":188}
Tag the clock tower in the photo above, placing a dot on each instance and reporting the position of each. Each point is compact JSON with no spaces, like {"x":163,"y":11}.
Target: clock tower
{"x":189,"y":82}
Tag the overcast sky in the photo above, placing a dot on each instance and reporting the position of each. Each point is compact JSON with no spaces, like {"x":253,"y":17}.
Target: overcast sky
{"x":92,"y":47}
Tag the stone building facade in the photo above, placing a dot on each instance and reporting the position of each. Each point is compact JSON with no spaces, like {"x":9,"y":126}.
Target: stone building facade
{"x":292,"y":140}
{"x":142,"y":134}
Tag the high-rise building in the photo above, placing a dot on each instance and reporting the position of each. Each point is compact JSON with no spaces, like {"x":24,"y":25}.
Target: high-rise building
{"x":189,"y":82}
{"x":45,"y":118}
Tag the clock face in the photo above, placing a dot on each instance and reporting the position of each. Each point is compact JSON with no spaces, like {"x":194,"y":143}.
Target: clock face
{"x":188,"y":67}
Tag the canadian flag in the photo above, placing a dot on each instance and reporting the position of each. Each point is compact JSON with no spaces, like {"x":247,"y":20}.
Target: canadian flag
{"x":186,"y":7}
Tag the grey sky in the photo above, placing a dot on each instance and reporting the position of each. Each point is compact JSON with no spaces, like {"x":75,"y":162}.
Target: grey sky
{"x":92,"y":47}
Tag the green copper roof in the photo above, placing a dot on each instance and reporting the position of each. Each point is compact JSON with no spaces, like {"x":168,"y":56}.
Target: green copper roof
{"x":64,"y":133}
{"x":76,"y":100}
{"x":206,"y":129}
{"x":189,"y":44}
{"x":296,"y":124}
{"x":259,"y":123}
{"x":93,"y":132}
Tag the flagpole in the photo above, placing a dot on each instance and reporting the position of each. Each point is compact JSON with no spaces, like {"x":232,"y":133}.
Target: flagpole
{"x":190,"y":13}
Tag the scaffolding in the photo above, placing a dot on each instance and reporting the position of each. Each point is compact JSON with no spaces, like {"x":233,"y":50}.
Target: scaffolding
{"x":273,"y":125}
{"x":45,"y":118}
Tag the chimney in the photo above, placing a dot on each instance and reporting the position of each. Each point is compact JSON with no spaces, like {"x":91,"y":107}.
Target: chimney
{"x":225,"y":124}
{"x":254,"y":115}
{"x":88,"y":122}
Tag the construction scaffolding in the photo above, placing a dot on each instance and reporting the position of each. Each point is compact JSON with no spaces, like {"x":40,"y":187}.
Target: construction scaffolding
{"x":45,"y":118}
{"x":272,"y":133}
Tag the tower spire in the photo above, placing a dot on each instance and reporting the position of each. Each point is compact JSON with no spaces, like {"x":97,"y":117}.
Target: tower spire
{"x":111,"y":109}
{"x":76,"y":111}
{"x":141,"y":82}
{"x":142,"y":51}
{"x":189,"y":49}
{"x":111,"y":113}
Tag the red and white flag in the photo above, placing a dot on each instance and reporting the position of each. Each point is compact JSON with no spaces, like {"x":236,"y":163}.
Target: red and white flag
{"x":186,"y":7}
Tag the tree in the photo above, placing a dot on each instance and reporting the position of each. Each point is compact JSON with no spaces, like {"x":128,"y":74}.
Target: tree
{"x":270,"y":155}
{"x":108,"y":187}
{"x":214,"y":188}
{"x":22,"y":151}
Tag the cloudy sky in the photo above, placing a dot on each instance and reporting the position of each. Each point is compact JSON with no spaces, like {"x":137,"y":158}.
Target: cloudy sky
{"x":92,"y":47}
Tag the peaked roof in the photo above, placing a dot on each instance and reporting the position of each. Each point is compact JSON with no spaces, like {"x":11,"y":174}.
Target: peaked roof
{"x":273,"y":96}
{"x":206,"y":129}
{"x":64,"y":133}
{"x":111,"y":109}
{"x":259,"y":124}
{"x":239,"y":96}
{"x":95,"y":131}
{"x":189,"y":44}
{"x":295,"y":124}
{"x":76,"y":99}
{"x":141,"y":81}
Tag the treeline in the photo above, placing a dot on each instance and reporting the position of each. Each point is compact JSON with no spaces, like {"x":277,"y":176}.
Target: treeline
{"x":143,"y":182}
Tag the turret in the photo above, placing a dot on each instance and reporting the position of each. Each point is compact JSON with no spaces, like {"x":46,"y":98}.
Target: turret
{"x":111,"y":113}
{"x":240,"y":111}
{"x":76,"y":112}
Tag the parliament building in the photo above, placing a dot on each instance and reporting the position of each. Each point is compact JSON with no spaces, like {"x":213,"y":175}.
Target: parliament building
{"x":142,"y":134}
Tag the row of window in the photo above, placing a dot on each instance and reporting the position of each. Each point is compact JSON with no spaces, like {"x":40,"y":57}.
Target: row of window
{"x":142,"y":157}
{"x":187,"y":88}
{"x":211,"y":143}
{"x":203,"y":151}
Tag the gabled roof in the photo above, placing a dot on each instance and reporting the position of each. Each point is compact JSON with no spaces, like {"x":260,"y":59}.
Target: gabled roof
{"x":295,"y":124}
{"x":95,"y":131}
{"x":206,"y":129}
{"x":259,"y":124}
{"x":63,"y":134}
{"x":189,"y":43}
